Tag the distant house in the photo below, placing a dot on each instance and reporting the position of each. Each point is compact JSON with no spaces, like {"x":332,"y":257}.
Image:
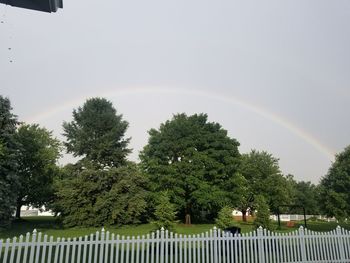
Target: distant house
{"x":34,"y":211}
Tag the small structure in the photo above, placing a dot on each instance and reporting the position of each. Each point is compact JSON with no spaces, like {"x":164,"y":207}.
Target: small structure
{"x":39,"y":5}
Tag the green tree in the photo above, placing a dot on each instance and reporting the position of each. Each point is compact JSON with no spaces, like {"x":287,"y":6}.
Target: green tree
{"x":263,"y":174}
{"x":164,"y":213}
{"x":307,"y":195}
{"x":97,"y":134}
{"x":38,"y":154}
{"x":263,"y":213}
{"x":8,"y":162}
{"x":224,"y":219}
{"x":334,"y":187}
{"x":95,"y":197}
{"x":192,"y":159}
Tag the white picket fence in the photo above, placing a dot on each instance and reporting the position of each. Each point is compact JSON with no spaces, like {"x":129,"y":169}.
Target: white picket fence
{"x":215,"y":246}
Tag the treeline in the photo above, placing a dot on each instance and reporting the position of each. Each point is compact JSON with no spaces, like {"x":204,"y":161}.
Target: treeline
{"x":189,"y":171}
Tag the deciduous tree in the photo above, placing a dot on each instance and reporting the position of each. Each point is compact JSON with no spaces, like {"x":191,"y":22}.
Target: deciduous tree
{"x":264,"y":177}
{"x":335,"y":194}
{"x":38,"y":153}
{"x":192,"y":159}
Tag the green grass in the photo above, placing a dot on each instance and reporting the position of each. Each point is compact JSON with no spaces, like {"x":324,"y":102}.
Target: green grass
{"x":52,"y":227}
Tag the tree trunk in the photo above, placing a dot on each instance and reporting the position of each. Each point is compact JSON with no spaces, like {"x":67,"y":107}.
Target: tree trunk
{"x":188,"y":219}
{"x":18,"y":210}
{"x":188,"y":214}
{"x":244,"y":215}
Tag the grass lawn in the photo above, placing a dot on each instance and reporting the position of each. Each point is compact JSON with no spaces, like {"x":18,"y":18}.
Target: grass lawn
{"x":51,"y":227}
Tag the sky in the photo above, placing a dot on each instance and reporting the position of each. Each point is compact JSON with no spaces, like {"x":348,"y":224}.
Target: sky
{"x":275,"y":74}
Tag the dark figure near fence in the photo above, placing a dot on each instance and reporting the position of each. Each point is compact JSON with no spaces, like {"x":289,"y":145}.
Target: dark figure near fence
{"x":39,"y":5}
{"x":233,"y":230}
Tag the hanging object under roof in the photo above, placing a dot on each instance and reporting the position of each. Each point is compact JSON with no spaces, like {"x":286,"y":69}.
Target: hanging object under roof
{"x":39,"y":5}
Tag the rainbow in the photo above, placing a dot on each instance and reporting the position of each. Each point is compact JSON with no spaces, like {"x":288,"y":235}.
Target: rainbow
{"x":234,"y":100}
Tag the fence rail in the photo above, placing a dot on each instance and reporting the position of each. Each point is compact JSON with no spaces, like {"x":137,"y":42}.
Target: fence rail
{"x":214,"y":246}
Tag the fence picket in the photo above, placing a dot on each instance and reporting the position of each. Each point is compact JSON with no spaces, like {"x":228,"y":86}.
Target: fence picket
{"x":74,"y":243}
{"x":7,"y":245}
{"x":102,"y":245}
{"x":43,"y":256}
{"x":18,"y":258}
{"x":107,"y":245}
{"x":13,"y":249}
{"x":32,"y":247}
{"x":112,"y":248}
{"x":80,"y":241}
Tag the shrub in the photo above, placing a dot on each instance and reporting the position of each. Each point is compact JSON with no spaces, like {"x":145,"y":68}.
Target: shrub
{"x":164,"y":212}
{"x":224,"y":219}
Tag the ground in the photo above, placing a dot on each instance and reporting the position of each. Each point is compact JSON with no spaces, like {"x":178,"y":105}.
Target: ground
{"x":50,"y":226}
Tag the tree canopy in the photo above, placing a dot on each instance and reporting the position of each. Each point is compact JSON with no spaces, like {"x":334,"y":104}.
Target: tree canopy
{"x":192,"y":159}
{"x":93,"y":197}
{"x":334,"y":187}
{"x":97,"y":134}
{"x":263,"y":178}
{"x":38,"y":153}
{"x":8,"y":161}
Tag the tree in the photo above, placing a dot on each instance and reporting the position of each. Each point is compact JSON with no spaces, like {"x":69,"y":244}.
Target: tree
{"x":263,"y":174}
{"x":224,"y":219}
{"x":164,"y":213}
{"x":263,"y":213}
{"x":192,"y":159}
{"x":307,"y":195}
{"x":8,"y":162}
{"x":96,"y":197}
{"x":97,"y":134}
{"x":334,"y":187}
{"x":38,"y":154}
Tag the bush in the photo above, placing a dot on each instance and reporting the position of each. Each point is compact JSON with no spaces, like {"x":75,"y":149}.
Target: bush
{"x":224,"y":219}
{"x":164,"y":212}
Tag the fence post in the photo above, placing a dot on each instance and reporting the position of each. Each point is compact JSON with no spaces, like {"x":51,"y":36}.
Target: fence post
{"x":162,"y":245}
{"x":215,"y":245}
{"x":302,"y":243}
{"x":32,"y":247}
{"x":261,"y":249}
{"x":340,"y":244}
{"x":102,"y":244}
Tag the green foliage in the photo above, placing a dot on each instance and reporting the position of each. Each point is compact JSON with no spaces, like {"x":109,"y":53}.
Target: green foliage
{"x":334,"y":187}
{"x":8,"y":162}
{"x":92,"y":197}
{"x":224,"y":219}
{"x":262,"y":172}
{"x":263,"y":213}
{"x":97,"y":134}
{"x":164,"y":213}
{"x":38,"y":154}
{"x":307,"y":195}
{"x":192,"y":159}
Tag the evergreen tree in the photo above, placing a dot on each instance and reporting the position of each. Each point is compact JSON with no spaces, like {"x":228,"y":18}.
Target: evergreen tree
{"x":164,"y":212}
{"x":91,"y":197}
{"x":8,"y":162}
{"x":97,"y":134}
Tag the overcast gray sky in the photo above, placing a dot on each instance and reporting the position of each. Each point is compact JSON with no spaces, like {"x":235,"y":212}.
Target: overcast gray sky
{"x":275,"y":74}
